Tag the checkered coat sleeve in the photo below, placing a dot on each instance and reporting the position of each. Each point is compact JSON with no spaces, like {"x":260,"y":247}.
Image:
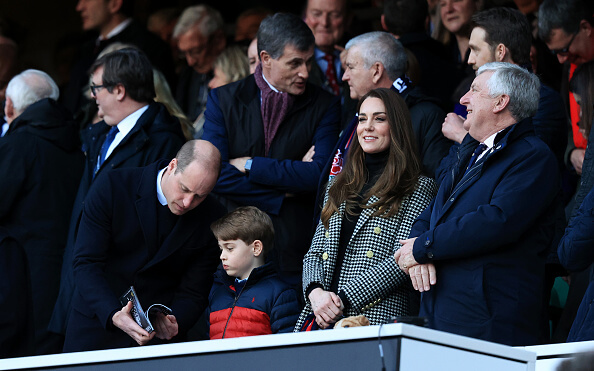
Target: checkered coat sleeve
{"x":370,"y":278}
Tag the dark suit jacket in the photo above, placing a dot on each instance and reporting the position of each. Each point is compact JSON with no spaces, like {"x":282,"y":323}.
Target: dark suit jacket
{"x":155,"y":135}
{"x":117,"y":246}
{"x":488,"y":232}
{"x":16,"y":306}
{"x":157,"y":51}
{"x":40,"y":168}
{"x":234,"y":125}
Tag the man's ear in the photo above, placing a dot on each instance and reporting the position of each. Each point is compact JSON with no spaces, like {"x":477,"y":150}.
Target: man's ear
{"x":501,"y":53}
{"x":383,"y":22}
{"x":377,"y":71}
{"x":258,"y":247}
{"x":501,"y":103}
{"x":172,"y":166}
{"x":9,"y":111}
{"x":120,"y":92}
{"x":265,"y":58}
{"x":114,"y":6}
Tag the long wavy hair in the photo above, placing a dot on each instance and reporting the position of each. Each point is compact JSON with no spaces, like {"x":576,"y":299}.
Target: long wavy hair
{"x":399,"y":177}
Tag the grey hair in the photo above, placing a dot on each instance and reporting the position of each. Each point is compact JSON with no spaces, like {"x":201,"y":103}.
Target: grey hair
{"x":31,"y":86}
{"x":522,"y":87}
{"x":208,"y":20}
{"x":282,"y":29}
{"x":381,"y":47}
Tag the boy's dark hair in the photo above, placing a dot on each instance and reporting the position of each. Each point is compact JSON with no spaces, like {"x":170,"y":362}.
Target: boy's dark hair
{"x":248,"y":224}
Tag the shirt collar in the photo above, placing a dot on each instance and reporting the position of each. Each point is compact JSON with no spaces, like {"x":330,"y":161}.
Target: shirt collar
{"x":119,"y":28}
{"x":128,"y":123}
{"x":160,"y":195}
{"x":271,"y":87}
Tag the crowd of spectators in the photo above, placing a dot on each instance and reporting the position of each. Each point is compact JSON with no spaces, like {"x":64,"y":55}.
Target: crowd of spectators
{"x":422,"y":162}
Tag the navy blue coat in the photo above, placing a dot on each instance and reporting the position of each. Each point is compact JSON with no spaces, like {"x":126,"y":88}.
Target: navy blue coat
{"x":487,"y":232}
{"x":155,"y":135}
{"x":576,"y":253}
{"x":117,"y":233}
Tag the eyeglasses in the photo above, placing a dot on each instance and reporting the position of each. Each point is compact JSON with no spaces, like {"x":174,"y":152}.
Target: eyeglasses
{"x":94,"y":88}
{"x":565,"y":50}
{"x":193,"y":53}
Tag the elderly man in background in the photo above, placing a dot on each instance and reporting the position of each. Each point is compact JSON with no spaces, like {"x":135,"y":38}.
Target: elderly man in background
{"x":478,"y":252}
{"x":40,"y":168}
{"x":200,"y":39}
{"x":265,"y":126}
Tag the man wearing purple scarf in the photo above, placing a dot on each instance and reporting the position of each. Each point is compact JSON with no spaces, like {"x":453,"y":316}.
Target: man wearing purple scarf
{"x":275,"y":132}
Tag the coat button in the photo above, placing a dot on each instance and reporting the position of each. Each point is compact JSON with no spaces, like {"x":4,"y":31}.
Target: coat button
{"x":377,"y":230}
{"x":452,"y":199}
{"x":327,"y":234}
{"x":427,"y":243}
{"x":430,"y":255}
{"x":370,"y":254}
{"x":325,"y":256}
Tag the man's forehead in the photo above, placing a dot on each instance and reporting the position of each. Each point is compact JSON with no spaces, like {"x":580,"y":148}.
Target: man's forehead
{"x":291,"y":52}
{"x":327,"y":5}
{"x":558,"y":38}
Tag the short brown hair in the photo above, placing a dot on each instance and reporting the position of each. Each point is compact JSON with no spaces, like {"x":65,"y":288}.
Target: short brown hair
{"x":248,"y":224}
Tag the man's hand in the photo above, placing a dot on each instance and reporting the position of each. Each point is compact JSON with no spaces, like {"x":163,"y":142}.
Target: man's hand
{"x":124,"y":321}
{"x":453,"y":127}
{"x":309,"y":155}
{"x":239,"y":163}
{"x":165,"y":326}
{"x":404,"y":256}
{"x":343,"y":55}
{"x":326,"y":305}
{"x":577,"y":159}
{"x":422,"y":276}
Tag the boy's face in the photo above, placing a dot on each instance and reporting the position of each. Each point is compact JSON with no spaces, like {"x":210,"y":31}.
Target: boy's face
{"x":238,"y":258}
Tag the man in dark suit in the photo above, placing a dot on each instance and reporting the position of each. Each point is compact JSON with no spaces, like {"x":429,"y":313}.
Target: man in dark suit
{"x":478,"y":251}
{"x":148,"y":227}
{"x":135,"y":131}
{"x":40,"y":168}
{"x":111,"y":21}
{"x":264,"y":126}
{"x":328,"y":20}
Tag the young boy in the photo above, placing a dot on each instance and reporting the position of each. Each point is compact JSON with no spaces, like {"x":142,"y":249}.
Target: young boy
{"x":247,"y":297}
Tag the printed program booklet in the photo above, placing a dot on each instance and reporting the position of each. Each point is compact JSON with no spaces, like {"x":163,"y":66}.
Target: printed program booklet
{"x":141,"y":317}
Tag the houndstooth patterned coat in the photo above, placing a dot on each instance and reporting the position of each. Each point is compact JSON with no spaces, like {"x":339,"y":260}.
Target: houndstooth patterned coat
{"x":370,"y":278}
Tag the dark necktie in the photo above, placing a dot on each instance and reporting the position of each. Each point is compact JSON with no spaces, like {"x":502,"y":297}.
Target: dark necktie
{"x":477,"y":152}
{"x":331,"y":74}
{"x":108,"y":140}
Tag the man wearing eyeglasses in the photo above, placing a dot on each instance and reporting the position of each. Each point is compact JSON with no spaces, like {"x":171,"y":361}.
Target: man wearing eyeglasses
{"x":135,"y":131}
{"x":567,"y":27}
{"x":200,"y":39}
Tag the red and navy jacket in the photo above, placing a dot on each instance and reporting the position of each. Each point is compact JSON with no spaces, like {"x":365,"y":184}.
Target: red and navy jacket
{"x":264,"y":305}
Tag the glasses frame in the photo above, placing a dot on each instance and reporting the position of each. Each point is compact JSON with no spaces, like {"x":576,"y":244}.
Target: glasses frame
{"x":94,"y":88}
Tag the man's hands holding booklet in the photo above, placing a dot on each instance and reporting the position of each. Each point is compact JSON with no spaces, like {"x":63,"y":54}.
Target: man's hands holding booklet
{"x":165,"y":325}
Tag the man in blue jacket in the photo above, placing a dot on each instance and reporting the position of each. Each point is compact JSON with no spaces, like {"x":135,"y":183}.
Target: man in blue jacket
{"x":477,"y":253}
{"x":265,"y":126}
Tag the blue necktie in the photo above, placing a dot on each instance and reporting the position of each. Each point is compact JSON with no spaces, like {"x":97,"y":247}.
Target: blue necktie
{"x":477,"y":152}
{"x":108,"y":140}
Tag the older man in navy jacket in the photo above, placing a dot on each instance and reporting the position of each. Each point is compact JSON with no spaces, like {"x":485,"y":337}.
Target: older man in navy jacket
{"x":478,"y":251}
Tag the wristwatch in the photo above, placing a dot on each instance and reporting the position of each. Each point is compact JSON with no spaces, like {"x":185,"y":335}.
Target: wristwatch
{"x":248,"y":166}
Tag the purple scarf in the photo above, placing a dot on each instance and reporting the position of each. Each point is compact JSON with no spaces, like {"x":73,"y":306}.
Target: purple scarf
{"x":275,"y":107}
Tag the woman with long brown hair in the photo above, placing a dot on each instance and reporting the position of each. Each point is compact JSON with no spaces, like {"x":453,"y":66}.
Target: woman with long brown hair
{"x":370,"y":206}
